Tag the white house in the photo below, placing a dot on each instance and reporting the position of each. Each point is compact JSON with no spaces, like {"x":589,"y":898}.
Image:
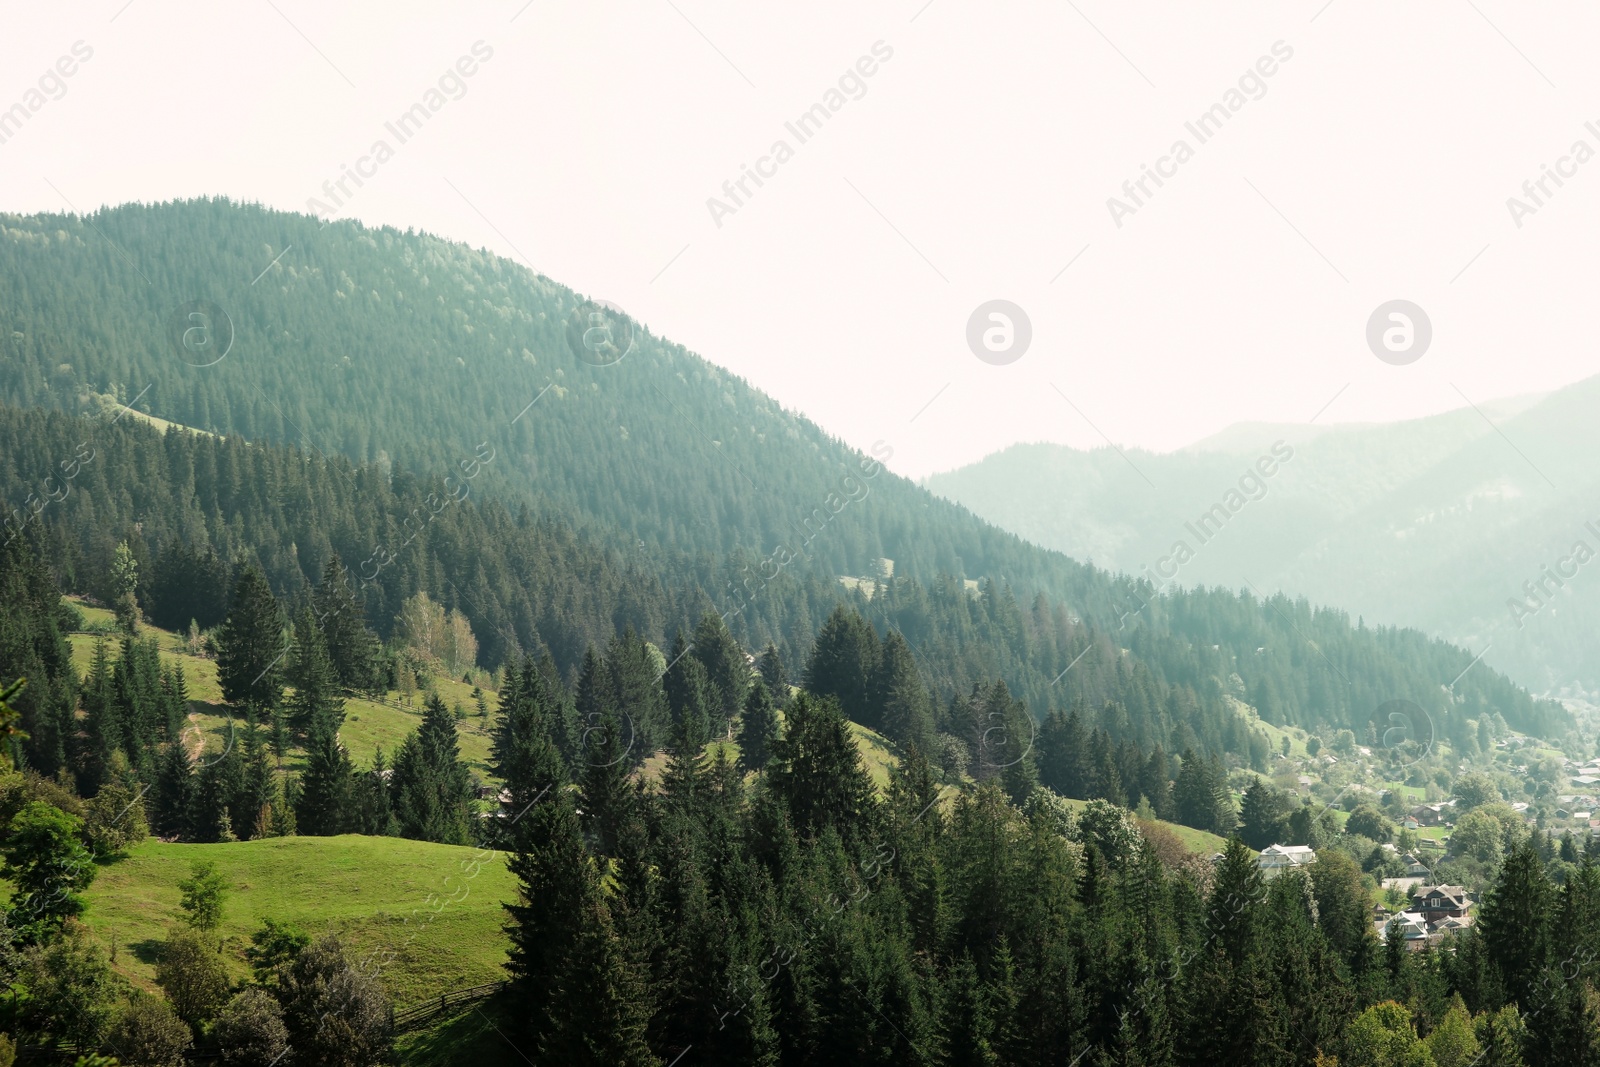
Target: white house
{"x":1275,"y":859}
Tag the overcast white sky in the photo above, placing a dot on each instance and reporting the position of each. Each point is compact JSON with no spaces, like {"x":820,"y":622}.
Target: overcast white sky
{"x":976,"y":166}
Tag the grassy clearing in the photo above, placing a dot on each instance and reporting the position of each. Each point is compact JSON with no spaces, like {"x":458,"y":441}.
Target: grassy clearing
{"x":377,"y":893}
{"x":877,"y":754}
{"x":1194,"y":840}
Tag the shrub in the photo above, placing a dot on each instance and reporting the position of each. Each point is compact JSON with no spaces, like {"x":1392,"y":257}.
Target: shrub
{"x":150,"y":1034}
{"x":192,"y":973}
{"x":250,"y":1030}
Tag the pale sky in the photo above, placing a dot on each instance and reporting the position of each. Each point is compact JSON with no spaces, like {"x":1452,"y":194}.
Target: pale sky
{"x":975,"y":165}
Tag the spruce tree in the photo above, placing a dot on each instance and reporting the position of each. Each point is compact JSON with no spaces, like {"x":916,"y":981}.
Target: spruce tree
{"x":816,"y":770}
{"x":353,"y":649}
{"x":843,"y":660}
{"x":727,"y":669}
{"x":1063,"y":752}
{"x":636,"y":694}
{"x":1155,"y":783}
{"x":899,"y":696}
{"x":374,"y":805}
{"x":432,"y":788}
{"x":524,"y":754}
{"x":315,"y":705}
{"x":592,"y":699}
{"x":775,"y":675}
{"x":1514,"y":922}
{"x":687,"y":688}
{"x":758,"y":728}
{"x":1263,"y":818}
{"x":578,"y":997}
{"x":686,"y":760}
{"x":251,"y":648}
{"x":606,"y":792}
{"x":174,"y":791}
{"x":327,"y":791}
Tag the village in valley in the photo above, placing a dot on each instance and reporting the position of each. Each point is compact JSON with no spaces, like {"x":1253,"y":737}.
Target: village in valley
{"x":1428,"y":823}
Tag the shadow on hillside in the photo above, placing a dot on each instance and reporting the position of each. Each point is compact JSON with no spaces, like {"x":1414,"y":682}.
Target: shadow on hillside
{"x":475,"y":1036}
{"x":146,"y":951}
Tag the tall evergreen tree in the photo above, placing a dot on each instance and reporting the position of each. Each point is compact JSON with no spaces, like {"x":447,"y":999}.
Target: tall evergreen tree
{"x":816,"y":770}
{"x":1063,"y":752}
{"x":373,"y":801}
{"x":432,"y":790}
{"x":524,"y":754}
{"x":774,"y":674}
{"x":174,"y":791}
{"x":1514,"y":922}
{"x":727,"y":669}
{"x":353,"y":649}
{"x":315,"y":706}
{"x":580,"y":1002}
{"x":328,"y":800}
{"x":251,"y":647}
{"x":899,"y":696}
{"x":1264,"y":815}
{"x":687,"y":690}
{"x":607,"y":794}
{"x":758,"y":728}
{"x":843,"y":661}
{"x":637,"y":696}
{"x":1155,"y":783}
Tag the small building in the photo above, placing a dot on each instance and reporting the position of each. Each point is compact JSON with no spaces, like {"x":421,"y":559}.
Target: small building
{"x":1428,"y":814}
{"x":1411,"y":926}
{"x":1441,"y":902}
{"x":1276,"y":859}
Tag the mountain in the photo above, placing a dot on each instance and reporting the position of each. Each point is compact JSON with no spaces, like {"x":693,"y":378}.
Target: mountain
{"x":401,"y":359}
{"x":1443,"y":523}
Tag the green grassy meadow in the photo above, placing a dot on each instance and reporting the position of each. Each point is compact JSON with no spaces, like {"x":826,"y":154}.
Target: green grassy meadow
{"x":433,"y":923}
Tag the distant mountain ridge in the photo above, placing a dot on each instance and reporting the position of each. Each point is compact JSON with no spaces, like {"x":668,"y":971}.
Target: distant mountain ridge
{"x":1445,"y":523}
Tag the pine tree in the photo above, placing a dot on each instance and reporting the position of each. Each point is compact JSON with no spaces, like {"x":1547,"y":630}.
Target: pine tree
{"x":432,"y":788}
{"x":315,"y":706}
{"x":524,"y":753}
{"x":758,"y":728}
{"x":251,"y":646}
{"x":773,"y":673}
{"x":637,"y":695}
{"x":1105,"y":781}
{"x":1155,"y":783}
{"x":899,"y":696}
{"x":1514,"y":922}
{"x":327,"y":795}
{"x":843,"y":661}
{"x":353,"y":650}
{"x":727,"y":669}
{"x":593,"y":700}
{"x":816,"y":770}
{"x":174,"y":791}
{"x":687,"y":688}
{"x":579,"y":997}
{"x":374,"y":805}
{"x":103,"y":723}
{"x":686,"y":760}
{"x":1263,"y":815}
{"x":1195,"y":796}
{"x":606,"y":791}
{"x":1063,"y":749}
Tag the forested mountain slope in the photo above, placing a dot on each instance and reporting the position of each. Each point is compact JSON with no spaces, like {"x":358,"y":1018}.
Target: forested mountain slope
{"x":660,"y":486}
